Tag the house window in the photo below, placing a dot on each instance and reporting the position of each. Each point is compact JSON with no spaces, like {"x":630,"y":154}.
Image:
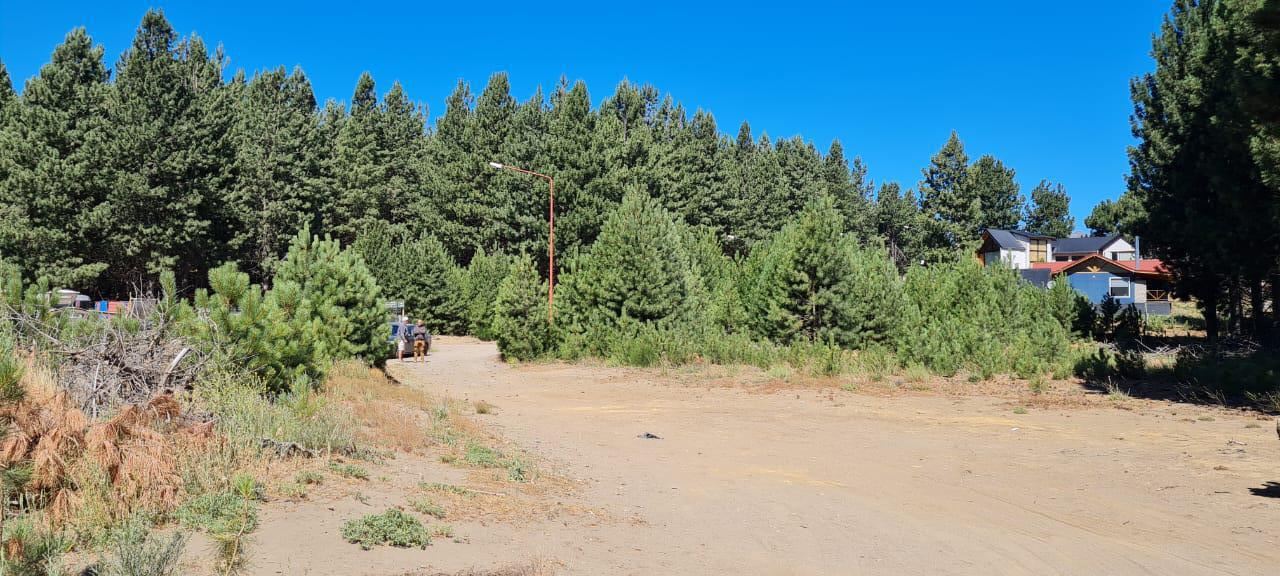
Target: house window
{"x":1119,"y":287}
{"x":1039,"y":250}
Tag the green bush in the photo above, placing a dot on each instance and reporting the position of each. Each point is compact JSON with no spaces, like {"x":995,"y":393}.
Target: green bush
{"x":637,"y":271}
{"x":41,"y":550}
{"x":392,"y":528}
{"x":349,"y":470}
{"x":344,"y":302}
{"x":139,"y":552}
{"x":483,"y":276}
{"x":520,"y":313}
{"x":986,"y":319}
{"x":812,"y":283}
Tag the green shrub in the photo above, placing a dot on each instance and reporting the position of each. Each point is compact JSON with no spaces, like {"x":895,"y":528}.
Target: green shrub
{"x":427,"y":507}
{"x":482,"y":456}
{"x":391,"y":528}
{"x":344,"y":302}
{"x":479,"y":291}
{"x":520,"y":323}
{"x":227,"y":512}
{"x":309,"y":477}
{"x":812,"y":283}
{"x":347,"y":470}
{"x":139,"y":552}
{"x":986,"y":319}
{"x":41,"y":550}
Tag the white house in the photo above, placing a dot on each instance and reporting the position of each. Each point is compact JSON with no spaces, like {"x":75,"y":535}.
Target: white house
{"x":1022,"y":250}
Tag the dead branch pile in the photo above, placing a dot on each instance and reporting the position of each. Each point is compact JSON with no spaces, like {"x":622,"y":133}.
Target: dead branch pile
{"x":135,"y":452}
{"x":107,"y":363}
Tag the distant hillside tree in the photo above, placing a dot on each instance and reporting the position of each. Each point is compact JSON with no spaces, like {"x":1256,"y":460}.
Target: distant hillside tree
{"x":1049,"y":211}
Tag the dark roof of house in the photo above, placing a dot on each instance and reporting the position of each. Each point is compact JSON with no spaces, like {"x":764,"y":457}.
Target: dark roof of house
{"x":1038,"y":277}
{"x":1007,"y":239}
{"x":1087,"y":245}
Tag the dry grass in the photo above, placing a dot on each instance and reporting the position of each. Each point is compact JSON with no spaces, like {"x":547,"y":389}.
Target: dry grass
{"x":388,"y":414}
{"x":88,"y":476}
{"x":538,"y":567}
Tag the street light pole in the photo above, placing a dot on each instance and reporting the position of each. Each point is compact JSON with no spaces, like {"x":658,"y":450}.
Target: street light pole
{"x":551,"y":241}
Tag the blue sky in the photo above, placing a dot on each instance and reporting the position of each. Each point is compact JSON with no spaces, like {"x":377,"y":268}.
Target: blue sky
{"x":1042,"y":85}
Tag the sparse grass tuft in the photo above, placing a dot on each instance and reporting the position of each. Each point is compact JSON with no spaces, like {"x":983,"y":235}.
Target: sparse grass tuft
{"x":482,"y":456}
{"x":219,"y":513}
{"x":391,"y":528}
{"x":309,"y":477}
{"x":347,"y":470}
{"x":1019,"y":410}
{"x":138,"y":552}
{"x":441,"y":531}
{"x":441,"y":487}
{"x":781,"y":372}
{"x":427,"y":507}
{"x":518,"y":470}
{"x":483,"y":407}
{"x":294,"y":490}
{"x":1206,"y":418}
{"x":1038,"y":385}
{"x":1115,"y":392}
{"x":916,"y":374}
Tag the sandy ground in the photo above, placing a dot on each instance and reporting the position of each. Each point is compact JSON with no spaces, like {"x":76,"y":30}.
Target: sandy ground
{"x":822,"y":481}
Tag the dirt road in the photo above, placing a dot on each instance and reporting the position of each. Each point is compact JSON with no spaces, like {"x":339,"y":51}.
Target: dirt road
{"x":799,"y":483}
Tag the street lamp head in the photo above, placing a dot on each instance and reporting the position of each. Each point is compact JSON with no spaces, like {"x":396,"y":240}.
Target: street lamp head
{"x":496,"y":165}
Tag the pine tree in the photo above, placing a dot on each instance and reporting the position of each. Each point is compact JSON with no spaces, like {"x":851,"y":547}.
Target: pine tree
{"x":358,"y":172}
{"x":703,"y":163}
{"x":946,"y":199}
{"x":53,"y":181}
{"x":997,"y":192}
{"x":811,"y":283}
{"x":483,"y":273}
{"x":524,"y":218}
{"x":7,"y":95}
{"x":897,"y":219}
{"x":400,"y":151}
{"x":520,"y":323}
{"x":1049,"y":211}
{"x":1122,"y":216}
{"x":431,"y":284}
{"x":170,"y":119}
{"x":637,"y":271}
{"x":801,"y":170}
{"x":569,"y":150}
{"x":343,"y":296}
{"x":278,"y":165}
{"x":851,"y":191}
{"x":766,"y":201}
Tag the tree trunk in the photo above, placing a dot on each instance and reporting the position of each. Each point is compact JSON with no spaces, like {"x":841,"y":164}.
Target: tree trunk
{"x":1257,"y":319}
{"x":1275,"y":299}
{"x":1209,"y":306}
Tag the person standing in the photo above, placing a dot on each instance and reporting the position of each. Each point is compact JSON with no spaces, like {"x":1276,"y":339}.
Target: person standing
{"x":420,"y":342}
{"x":403,"y":339}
